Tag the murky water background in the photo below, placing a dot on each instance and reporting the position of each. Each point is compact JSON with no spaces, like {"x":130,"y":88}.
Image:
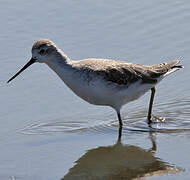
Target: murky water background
{"x":47,"y":132}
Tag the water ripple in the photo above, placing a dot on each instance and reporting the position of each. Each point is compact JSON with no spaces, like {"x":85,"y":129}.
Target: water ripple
{"x":175,"y":115}
{"x":138,"y":125}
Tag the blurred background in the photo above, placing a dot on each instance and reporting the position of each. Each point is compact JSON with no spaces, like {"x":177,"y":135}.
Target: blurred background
{"x":45,"y":128}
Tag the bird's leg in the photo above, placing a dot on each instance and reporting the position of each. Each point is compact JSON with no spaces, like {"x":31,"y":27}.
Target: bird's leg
{"x":119,"y":135}
{"x":150,"y":105}
{"x":120,"y":121}
{"x":120,"y":125}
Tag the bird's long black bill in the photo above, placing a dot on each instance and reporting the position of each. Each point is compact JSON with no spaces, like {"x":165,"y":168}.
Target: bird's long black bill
{"x":32,"y":60}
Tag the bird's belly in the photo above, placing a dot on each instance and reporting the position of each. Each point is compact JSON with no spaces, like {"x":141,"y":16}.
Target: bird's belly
{"x":130,"y":93}
{"x":101,"y":92}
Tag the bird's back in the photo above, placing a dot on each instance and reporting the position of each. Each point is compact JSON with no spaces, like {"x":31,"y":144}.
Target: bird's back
{"x":123,"y":73}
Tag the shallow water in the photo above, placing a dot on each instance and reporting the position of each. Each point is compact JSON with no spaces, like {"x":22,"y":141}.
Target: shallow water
{"x":48,"y":133}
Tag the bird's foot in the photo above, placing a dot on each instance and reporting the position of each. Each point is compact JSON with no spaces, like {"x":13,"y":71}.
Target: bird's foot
{"x":159,"y":119}
{"x":156,"y":119}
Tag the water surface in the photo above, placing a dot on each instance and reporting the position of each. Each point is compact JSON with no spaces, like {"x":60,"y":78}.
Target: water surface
{"x":48,"y":133}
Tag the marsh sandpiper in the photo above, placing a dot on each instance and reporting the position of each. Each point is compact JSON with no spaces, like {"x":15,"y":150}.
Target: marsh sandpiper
{"x":102,"y":81}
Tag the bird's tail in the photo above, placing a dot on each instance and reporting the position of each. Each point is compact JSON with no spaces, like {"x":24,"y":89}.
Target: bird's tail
{"x":173,"y":66}
{"x":167,"y":68}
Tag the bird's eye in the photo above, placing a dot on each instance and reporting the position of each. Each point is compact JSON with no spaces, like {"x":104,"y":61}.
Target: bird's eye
{"x":42,"y":51}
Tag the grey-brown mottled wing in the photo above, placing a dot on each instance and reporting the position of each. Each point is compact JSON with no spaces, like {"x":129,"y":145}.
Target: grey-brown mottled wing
{"x":153,"y":72}
{"x":125,"y":73}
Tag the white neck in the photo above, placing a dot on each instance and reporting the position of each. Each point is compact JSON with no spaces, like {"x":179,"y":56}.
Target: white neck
{"x":60,"y":64}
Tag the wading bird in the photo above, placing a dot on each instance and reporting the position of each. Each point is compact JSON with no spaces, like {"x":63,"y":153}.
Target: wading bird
{"x":102,"y":81}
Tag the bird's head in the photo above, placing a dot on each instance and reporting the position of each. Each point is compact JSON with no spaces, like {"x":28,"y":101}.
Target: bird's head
{"x":42,"y":51}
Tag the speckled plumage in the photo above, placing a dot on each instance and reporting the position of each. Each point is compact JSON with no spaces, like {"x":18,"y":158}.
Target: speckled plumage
{"x":121,"y":72}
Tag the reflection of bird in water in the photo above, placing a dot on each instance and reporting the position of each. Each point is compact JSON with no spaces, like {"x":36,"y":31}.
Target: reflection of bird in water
{"x":119,"y":162}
